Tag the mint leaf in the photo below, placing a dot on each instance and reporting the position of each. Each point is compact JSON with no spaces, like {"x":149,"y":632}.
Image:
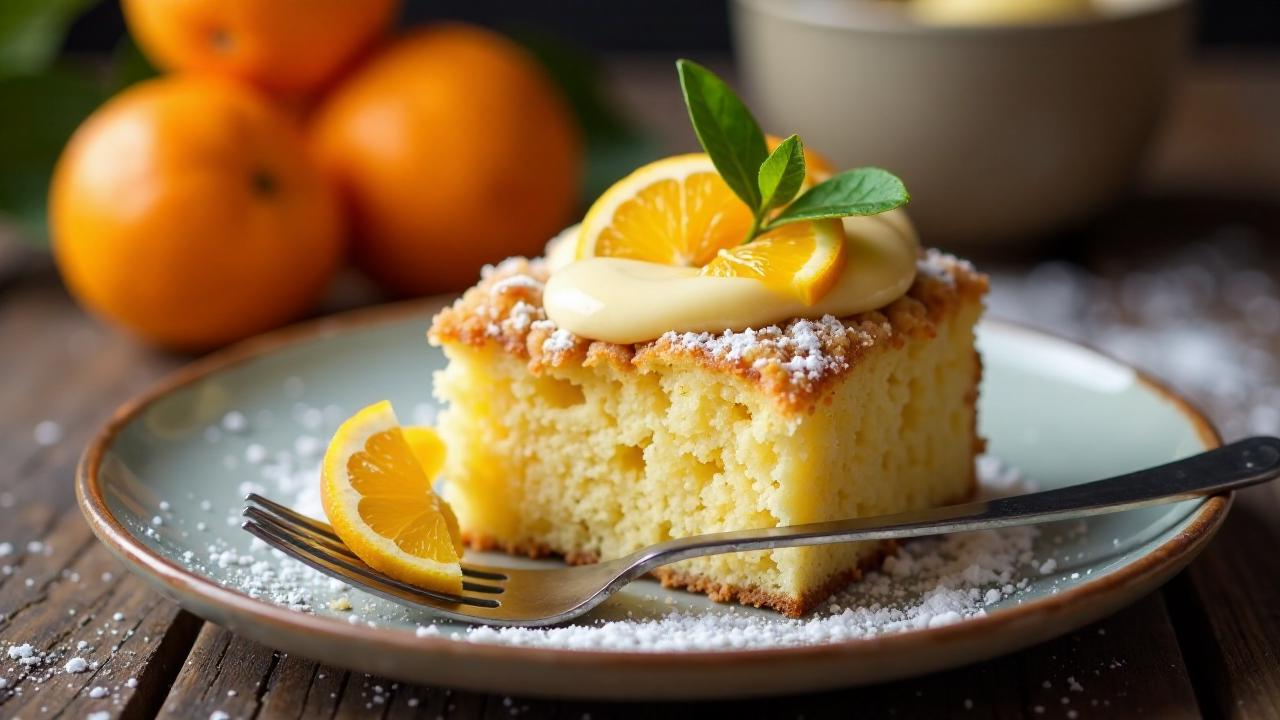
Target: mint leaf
{"x":782,"y":173}
{"x":726,"y":129}
{"x":861,"y":191}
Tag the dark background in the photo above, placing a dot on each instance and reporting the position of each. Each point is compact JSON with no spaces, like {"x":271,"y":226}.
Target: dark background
{"x":640,"y":25}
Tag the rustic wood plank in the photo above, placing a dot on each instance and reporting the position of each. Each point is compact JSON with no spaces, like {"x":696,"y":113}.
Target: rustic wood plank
{"x":223,"y":673}
{"x":81,"y":604}
{"x":1126,"y":666}
{"x":60,"y":591}
{"x":72,"y":373}
{"x":1227,"y":610}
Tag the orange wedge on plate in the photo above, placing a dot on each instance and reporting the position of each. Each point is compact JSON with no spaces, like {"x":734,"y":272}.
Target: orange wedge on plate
{"x":803,"y":259}
{"x":376,"y":489}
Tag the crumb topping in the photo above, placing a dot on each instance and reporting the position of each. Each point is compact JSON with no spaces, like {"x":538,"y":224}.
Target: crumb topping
{"x":792,"y":361}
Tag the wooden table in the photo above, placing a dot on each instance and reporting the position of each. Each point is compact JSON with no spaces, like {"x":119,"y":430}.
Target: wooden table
{"x":1208,"y":644}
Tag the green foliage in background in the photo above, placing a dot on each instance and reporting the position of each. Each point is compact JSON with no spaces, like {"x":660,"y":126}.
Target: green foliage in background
{"x":31,"y":32}
{"x":45,"y":109}
{"x":45,"y":98}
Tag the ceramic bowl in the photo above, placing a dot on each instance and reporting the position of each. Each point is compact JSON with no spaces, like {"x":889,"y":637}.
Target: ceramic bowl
{"x":1001,"y":133}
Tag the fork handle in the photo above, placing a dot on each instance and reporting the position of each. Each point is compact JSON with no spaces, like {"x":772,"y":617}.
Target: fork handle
{"x":1233,"y":466}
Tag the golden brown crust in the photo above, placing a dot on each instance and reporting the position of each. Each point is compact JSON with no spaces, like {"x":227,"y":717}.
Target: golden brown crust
{"x":794,"y":363}
{"x":755,"y":597}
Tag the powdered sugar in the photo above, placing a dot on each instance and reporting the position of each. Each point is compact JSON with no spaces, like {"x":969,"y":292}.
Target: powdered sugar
{"x":522,"y":316}
{"x":47,"y":432}
{"x":507,"y":284}
{"x":807,"y":350}
{"x":1204,"y":317}
{"x":515,"y":265}
{"x":926,"y":584}
{"x":942,"y":266}
{"x":559,"y":341}
{"x":22,"y":652}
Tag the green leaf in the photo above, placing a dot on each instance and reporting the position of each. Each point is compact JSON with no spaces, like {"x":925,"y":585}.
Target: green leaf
{"x":31,"y":31}
{"x":46,"y":110}
{"x":782,"y":174}
{"x":726,"y":129}
{"x":861,"y":191}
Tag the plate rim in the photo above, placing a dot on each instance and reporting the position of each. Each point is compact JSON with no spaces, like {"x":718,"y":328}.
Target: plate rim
{"x":177,"y":581}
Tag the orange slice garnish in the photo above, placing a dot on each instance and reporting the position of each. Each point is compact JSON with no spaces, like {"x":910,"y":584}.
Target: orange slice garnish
{"x":803,"y":259}
{"x":376,"y":489}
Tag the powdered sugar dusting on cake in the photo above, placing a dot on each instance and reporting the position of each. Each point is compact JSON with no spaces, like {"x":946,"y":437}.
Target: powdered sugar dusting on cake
{"x":523,"y":315}
{"x":505,"y":307}
{"x":805,"y":350}
{"x":809,"y":361}
{"x":943,"y":267}
{"x":515,"y":265}
{"x":511,"y":282}
{"x":790,"y":361}
{"x":559,"y":341}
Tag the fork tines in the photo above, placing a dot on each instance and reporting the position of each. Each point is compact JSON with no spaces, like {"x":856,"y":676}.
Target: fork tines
{"x":315,"y":543}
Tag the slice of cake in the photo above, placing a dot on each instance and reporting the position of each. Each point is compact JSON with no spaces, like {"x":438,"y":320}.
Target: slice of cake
{"x":591,"y":450}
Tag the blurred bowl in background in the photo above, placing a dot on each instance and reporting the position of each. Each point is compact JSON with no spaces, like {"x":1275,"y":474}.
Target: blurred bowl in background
{"x":1002,"y":133}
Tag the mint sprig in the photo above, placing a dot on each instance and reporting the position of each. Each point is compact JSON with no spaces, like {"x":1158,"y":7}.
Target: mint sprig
{"x":782,"y":173}
{"x":861,"y":191}
{"x":767,"y":181}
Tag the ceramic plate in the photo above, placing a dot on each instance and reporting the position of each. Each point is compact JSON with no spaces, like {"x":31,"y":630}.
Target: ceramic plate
{"x":162,"y":482}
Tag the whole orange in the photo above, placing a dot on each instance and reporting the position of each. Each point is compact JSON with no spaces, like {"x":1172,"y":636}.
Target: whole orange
{"x":187,"y":210}
{"x":283,"y":46}
{"x":453,"y":149}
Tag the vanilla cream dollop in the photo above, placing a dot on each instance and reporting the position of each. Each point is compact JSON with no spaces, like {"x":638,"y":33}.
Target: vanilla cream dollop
{"x":630,"y":301}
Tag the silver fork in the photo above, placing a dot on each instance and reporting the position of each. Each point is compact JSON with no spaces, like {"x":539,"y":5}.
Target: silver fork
{"x":511,"y":596}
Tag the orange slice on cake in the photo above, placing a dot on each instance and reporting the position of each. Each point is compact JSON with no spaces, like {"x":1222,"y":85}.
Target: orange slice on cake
{"x":803,"y":259}
{"x":674,"y":211}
